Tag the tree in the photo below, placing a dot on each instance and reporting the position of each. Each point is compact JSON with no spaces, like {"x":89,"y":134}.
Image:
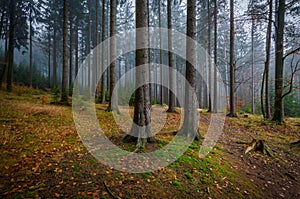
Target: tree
{"x":170,"y":55}
{"x":279,"y":63}
{"x":11,"y":44}
{"x":141,"y":128}
{"x":266,"y":110}
{"x":232,"y":64}
{"x":102,"y":60}
{"x":113,"y":102}
{"x":209,"y":55}
{"x":215,"y":99}
{"x":190,"y":107}
{"x":64,"y":93}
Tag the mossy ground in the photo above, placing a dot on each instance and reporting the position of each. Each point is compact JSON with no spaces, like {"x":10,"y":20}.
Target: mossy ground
{"x":42,"y":156}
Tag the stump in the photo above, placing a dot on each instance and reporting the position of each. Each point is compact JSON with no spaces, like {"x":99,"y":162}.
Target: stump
{"x":259,"y":145}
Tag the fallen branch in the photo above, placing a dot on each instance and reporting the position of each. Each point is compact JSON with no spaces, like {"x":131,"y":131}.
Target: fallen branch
{"x":110,"y":192}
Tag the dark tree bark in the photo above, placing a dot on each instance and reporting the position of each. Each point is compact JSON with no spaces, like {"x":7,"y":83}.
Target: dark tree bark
{"x":170,"y":54}
{"x":232,"y":64}
{"x":113,"y":102}
{"x":279,"y":64}
{"x":64,"y":93}
{"x":11,"y":44}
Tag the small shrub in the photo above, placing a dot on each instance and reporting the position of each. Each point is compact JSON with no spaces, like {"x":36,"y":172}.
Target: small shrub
{"x":56,"y":94}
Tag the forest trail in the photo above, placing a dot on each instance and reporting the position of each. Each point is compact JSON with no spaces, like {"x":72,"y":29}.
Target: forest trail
{"x":42,"y":156}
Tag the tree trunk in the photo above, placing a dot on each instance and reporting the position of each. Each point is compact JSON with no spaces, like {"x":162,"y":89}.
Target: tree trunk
{"x":160,"y":57}
{"x":190,"y":123}
{"x":252,"y":66}
{"x":4,"y":70}
{"x":279,"y":64}
{"x":113,"y":101}
{"x":96,"y":55}
{"x":64,"y":93}
{"x":49,"y":59}
{"x":71,"y":56}
{"x":30,"y":45}
{"x":232,"y":64}
{"x":215,"y":99}
{"x":89,"y":45}
{"x":11,"y":44}
{"x":170,"y":54}
{"x":209,"y":57}
{"x":76,"y":50}
{"x":103,"y":54}
{"x":54,"y":57}
{"x":267,"y":62}
{"x":141,"y":128}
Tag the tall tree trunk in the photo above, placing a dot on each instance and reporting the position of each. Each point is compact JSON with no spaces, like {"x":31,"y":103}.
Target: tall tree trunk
{"x":4,"y":70}
{"x":160,"y":57}
{"x":232,"y":64}
{"x":170,"y":55}
{"x":11,"y":44}
{"x":210,"y":90}
{"x":113,"y":101}
{"x":252,"y":66}
{"x":215,"y":99}
{"x":49,"y":59}
{"x":89,"y":45}
{"x":64,"y":93}
{"x":30,"y":45}
{"x":190,"y":123}
{"x":76,"y":49}
{"x":96,"y":55}
{"x":102,"y":57}
{"x":141,"y":128}
{"x":279,"y":64}
{"x":267,"y":111}
{"x":54,"y":57}
{"x":71,"y":56}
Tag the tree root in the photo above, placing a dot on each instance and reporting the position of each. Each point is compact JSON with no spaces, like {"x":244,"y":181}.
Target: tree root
{"x":259,"y":145}
{"x":295,"y":144}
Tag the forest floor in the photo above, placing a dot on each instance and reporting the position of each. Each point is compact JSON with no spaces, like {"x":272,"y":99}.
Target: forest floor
{"x":42,"y":156}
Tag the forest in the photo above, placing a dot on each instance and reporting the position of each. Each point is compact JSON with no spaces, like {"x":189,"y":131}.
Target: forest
{"x":149,"y":99}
